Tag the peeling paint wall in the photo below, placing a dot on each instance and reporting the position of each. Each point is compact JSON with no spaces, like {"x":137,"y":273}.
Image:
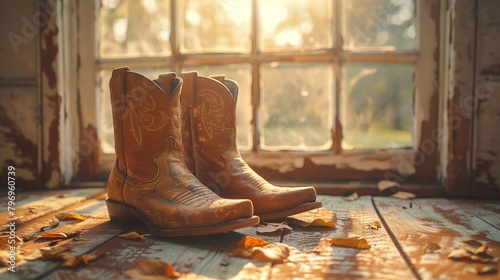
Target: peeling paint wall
{"x":33,"y":103}
{"x":459,"y":65}
{"x":486,"y":101}
{"x":20,"y":108}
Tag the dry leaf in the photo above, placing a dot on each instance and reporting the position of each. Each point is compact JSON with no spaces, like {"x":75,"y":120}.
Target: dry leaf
{"x":73,"y":233}
{"x":70,"y":216}
{"x":311,"y":223}
{"x":132,"y":236}
{"x":375,"y":226}
{"x":483,"y":270}
{"x":5,"y":258}
{"x":350,"y":196}
{"x":462,"y":254}
{"x":387,"y":186}
{"x":54,"y":222}
{"x":250,"y":242}
{"x":351,"y":242}
{"x":152,"y":269}
{"x":72,"y":261}
{"x":403,"y":195}
{"x":52,"y":253}
{"x":54,"y":235}
{"x":474,"y":247}
{"x":4,"y":242}
{"x":270,"y":228}
{"x":431,"y":247}
{"x":274,"y":252}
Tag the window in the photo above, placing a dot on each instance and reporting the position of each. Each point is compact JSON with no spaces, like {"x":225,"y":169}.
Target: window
{"x":330,"y":83}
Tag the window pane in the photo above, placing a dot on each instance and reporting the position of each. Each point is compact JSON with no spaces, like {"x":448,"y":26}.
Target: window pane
{"x":296,"y":106}
{"x":131,"y":28}
{"x":378,"y":24}
{"x":295,"y":24}
{"x":215,"y":26}
{"x":376,"y":106}
{"x":105,"y":130}
{"x":241,"y":73}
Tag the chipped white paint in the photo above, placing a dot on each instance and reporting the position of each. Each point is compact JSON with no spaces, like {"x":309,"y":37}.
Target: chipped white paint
{"x":426,"y":69}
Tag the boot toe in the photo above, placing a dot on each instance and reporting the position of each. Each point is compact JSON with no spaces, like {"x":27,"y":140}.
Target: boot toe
{"x":232,"y":209}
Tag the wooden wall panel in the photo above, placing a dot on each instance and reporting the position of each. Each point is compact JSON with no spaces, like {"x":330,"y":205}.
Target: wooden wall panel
{"x":457,"y":118}
{"x":20,"y":110}
{"x":486,"y":101}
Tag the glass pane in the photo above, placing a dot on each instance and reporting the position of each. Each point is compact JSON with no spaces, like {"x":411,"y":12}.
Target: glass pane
{"x":105,"y":130}
{"x":241,"y":73}
{"x":296,"y":105}
{"x":382,"y":25}
{"x":215,"y":26}
{"x":295,"y":24}
{"x":376,"y":105}
{"x":131,"y":28}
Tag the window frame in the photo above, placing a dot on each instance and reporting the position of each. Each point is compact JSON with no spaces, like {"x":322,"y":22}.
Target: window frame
{"x":419,"y":163}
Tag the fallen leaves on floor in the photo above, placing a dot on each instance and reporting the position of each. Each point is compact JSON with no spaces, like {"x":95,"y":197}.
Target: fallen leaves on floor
{"x":250,"y":242}
{"x":61,"y":253}
{"x":314,"y":223}
{"x":375,"y":226}
{"x":350,"y":196}
{"x":54,"y":235}
{"x":313,"y":218}
{"x":70,"y":216}
{"x":350,"y":242}
{"x":274,"y":228}
{"x":72,"y":261}
{"x":462,"y":254}
{"x":152,"y":269}
{"x":60,"y":235}
{"x":132,"y":236}
{"x":5,"y":259}
{"x":273,"y":252}
{"x":52,"y":253}
{"x":258,"y":249}
{"x":474,"y":247}
{"x":431,"y":247}
{"x":483,"y":269}
{"x":388,"y":187}
{"x":403,"y":195}
{"x":54,"y":222}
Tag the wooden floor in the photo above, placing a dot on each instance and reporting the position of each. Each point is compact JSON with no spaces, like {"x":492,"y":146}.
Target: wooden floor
{"x":397,"y":247}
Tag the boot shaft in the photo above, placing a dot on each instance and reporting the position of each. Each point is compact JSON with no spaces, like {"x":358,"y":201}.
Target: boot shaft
{"x":209,"y":111}
{"x":146,"y":119}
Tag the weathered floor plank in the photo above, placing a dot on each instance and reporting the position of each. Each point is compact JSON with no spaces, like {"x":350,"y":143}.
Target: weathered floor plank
{"x":94,"y":231}
{"x":352,"y":218}
{"x":202,"y":257}
{"x":442,"y":222}
{"x":410,"y":224}
{"x":29,"y":206}
{"x":486,"y":210}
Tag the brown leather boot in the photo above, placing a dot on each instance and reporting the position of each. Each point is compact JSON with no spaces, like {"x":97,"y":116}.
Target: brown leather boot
{"x":208,"y":107}
{"x":150,"y":180}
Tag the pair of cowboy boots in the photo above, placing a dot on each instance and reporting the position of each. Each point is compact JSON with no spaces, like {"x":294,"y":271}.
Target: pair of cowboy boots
{"x":178,"y":168}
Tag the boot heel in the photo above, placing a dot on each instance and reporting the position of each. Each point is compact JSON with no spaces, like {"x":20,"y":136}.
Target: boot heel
{"x":118,"y":213}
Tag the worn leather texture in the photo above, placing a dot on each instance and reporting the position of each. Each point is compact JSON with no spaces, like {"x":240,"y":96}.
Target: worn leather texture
{"x":211,"y":106}
{"x":150,"y":175}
